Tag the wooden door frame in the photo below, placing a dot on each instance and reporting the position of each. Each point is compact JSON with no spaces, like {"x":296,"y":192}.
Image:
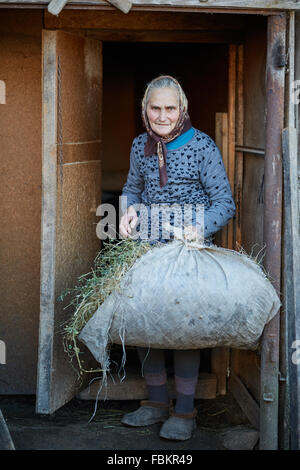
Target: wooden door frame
{"x":270,"y":341}
{"x":56,"y":166}
{"x":290,"y":321}
{"x":261,"y":7}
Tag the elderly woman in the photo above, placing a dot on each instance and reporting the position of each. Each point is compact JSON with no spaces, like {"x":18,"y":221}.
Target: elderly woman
{"x":172,"y":163}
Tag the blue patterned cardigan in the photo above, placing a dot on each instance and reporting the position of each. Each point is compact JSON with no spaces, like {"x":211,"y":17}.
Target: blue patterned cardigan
{"x":196,"y":175}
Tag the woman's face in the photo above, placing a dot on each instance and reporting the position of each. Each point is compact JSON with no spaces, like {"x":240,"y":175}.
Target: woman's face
{"x":163,"y":110}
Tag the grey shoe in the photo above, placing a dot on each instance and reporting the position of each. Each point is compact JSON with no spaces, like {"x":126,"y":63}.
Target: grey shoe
{"x":179,"y":427}
{"x":148,"y":413}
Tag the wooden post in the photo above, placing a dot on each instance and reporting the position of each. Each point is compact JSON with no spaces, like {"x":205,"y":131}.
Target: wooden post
{"x":239,"y":141}
{"x":288,"y":385}
{"x":275,"y":71}
{"x":231,"y":130}
{"x":219,"y":367}
{"x":291,"y":280}
{"x":72,"y":109}
{"x":221,"y":138}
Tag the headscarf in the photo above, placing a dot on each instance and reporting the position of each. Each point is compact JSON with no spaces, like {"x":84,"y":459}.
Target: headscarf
{"x":155,"y":143}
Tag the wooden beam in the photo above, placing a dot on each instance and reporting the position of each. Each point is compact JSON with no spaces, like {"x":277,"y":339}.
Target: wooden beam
{"x":42,"y":5}
{"x":240,"y":4}
{"x":143,"y":21}
{"x":291,"y":280}
{"x":199,"y":37}
{"x":133,"y":387}
{"x":231,"y":132}
{"x":219,"y":366}
{"x":290,"y":215}
{"x":49,"y":165}
{"x":291,"y":106}
{"x":244,"y":399}
{"x":72,"y":79}
{"x":221,"y":138}
{"x":272,"y":225}
{"x":239,"y":142}
{"x":201,"y":5}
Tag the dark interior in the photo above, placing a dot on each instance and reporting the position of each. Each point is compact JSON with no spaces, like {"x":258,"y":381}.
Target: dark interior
{"x":128,"y":67}
{"x":202,"y":70}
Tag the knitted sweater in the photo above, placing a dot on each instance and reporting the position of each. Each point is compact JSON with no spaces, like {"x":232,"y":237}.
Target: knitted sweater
{"x":196,"y":175}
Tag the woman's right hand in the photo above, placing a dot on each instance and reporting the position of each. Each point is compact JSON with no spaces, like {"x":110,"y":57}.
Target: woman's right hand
{"x":128,"y":221}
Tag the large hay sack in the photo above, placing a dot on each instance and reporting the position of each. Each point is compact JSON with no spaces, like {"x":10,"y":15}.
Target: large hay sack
{"x":181,"y":296}
{"x":110,"y":265}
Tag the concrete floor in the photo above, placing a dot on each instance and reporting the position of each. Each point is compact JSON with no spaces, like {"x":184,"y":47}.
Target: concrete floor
{"x":69,"y":427}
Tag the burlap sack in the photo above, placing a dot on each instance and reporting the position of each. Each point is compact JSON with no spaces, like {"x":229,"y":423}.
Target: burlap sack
{"x":184,"y":296}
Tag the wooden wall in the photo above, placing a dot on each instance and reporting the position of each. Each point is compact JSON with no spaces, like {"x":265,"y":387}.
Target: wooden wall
{"x":202,"y":69}
{"x":20,"y":195}
{"x":246,"y":363}
{"x":254,"y":128}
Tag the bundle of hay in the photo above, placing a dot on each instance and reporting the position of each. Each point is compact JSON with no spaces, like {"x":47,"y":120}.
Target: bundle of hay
{"x":110,"y":266}
{"x":184,"y":296}
{"x":179,"y":295}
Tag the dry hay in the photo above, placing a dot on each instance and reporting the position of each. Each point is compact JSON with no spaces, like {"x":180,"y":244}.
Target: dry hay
{"x":110,"y":265}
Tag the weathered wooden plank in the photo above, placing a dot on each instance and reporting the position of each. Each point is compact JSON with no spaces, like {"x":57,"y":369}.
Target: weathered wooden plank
{"x":220,"y":356}
{"x":291,"y":279}
{"x":201,"y":4}
{"x":231,"y":133}
{"x":244,"y":399}
{"x":143,"y":20}
{"x":239,"y":141}
{"x":201,"y":37}
{"x":221,"y":138}
{"x":81,"y":151}
{"x":291,"y":106}
{"x":275,"y":87}
{"x":219,"y":366}
{"x":289,"y":143}
{"x":48,"y":219}
{"x":72,"y":80}
{"x":297,"y":76}
{"x":133,"y":387}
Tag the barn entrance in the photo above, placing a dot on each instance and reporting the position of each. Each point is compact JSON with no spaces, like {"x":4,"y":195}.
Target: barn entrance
{"x":127,"y":68}
{"x":95,"y":69}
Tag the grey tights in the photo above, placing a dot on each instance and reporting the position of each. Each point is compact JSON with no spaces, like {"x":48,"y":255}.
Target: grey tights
{"x":186,"y":369}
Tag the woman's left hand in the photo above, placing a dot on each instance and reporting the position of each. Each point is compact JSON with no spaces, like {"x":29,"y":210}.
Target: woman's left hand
{"x":190,"y":233}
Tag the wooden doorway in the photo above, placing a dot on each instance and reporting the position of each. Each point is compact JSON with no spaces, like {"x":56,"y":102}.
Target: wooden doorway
{"x":72,"y":95}
{"x":78,"y":149}
{"x":56,"y":384}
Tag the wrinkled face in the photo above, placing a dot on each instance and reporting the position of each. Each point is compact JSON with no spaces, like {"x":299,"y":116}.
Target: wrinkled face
{"x":163,"y":110}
